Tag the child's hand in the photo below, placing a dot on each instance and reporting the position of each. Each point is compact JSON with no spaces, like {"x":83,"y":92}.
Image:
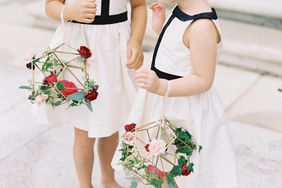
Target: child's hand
{"x":147,"y":79}
{"x":83,"y":11}
{"x":135,"y":55}
{"x":159,"y":16}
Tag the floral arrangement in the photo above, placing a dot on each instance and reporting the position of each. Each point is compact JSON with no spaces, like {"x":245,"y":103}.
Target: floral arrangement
{"x":53,"y":89}
{"x":164,"y":156}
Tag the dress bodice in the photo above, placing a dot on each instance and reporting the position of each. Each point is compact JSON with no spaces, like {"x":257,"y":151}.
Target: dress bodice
{"x":171,"y":58}
{"x":114,"y":6}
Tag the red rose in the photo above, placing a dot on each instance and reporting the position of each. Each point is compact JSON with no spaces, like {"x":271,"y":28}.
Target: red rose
{"x":50,"y":79}
{"x":84,"y":51}
{"x":163,"y":174}
{"x":185,"y":171}
{"x":91,"y":95}
{"x":130,"y":127}
{"x":70,"y":88}
{"x":147,"y":147}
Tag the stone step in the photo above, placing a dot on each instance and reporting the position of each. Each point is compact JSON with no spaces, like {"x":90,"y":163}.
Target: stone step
{"x":268,"y":8}
{"x":252,"y":47}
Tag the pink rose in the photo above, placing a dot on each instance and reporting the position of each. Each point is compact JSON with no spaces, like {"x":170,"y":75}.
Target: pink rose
{"x":156,"y":171}
{"x":163,"y":174}
{"x":157,"y":147}
{"x":39,"y":99}
{"x":153,"y":169}
{"x":129,"y":138}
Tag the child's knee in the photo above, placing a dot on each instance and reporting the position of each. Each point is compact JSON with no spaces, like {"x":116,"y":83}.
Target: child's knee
{"x":82,"y":138}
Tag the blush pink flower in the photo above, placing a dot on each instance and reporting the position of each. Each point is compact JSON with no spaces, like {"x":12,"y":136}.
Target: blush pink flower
{"x":129,"y":138}
{"x":153,"y":169}
{"x":156,"y":171}
{"x":40,"y":99}
{"x":157,"y":147}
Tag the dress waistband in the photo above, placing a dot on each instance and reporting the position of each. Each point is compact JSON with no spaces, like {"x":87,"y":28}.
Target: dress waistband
{"x":107,"y":19}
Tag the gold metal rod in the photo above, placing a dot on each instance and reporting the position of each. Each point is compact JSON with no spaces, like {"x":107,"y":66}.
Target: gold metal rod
{"x":75,"y":77}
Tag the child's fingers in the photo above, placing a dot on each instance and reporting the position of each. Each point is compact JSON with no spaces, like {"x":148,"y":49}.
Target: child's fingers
{"x":156,"y":6}
{"x":89,"y":16}
{"x":133,"y":57}
{"x":89,"y":5}
{"x":142,"y":80}
{"x":128,"y":53}
{"x":90,"y":10}
{"x":87,"y":20}
{"x":153,"y":5}
{"x":141,"y":70}
{"x":131,"y":65}
{"x":141,"y":76}
{"x":139,"y":61}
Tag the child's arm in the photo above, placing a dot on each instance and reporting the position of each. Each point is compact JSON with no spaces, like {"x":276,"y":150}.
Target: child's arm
{"x":158,"y":17}
{"x":202,"y":38}
{"x":81,"y":11}
{"x":135,"y":55}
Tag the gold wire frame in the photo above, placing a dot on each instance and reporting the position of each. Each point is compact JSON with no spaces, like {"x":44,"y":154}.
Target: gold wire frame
{"x":65,"y":56}
{"x":161,"y":129}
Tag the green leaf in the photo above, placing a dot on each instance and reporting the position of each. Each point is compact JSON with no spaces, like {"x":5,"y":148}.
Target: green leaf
{"x":176,"y":170}
{"x":78,"y":96}
{"x":157,"y":183}
{"x":89,"y":106}
{"x":185,"y":150}
{"x":184,"y":136}
{"x":133,"y":184}
{"x":56,"y":103}
{"x":170,"y":181}
{"x":25,"y":87}
{"x":60,"y":86}
{"x":191,"y":167}
{"x":182,"y":161}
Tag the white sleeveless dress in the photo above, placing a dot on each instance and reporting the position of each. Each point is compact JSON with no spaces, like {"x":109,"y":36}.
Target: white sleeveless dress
{"x":202,"y":115}
{"x":108,"y":68}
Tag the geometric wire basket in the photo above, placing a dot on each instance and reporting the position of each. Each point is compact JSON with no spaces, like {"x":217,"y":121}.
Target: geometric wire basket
{"x":60,"y":76}
{"x":157,"y":152}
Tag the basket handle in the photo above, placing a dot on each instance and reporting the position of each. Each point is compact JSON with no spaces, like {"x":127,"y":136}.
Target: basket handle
{"x":62,"y":18}
{"x":164,"y":99}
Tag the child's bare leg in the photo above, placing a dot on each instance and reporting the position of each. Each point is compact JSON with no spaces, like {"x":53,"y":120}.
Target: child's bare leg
{"x":83,"y":151}
{"x":106,"y":150}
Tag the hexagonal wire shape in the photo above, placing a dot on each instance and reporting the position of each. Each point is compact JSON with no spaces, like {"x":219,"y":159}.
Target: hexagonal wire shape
{"x":161,"y":129}
{"x":65,"y":56}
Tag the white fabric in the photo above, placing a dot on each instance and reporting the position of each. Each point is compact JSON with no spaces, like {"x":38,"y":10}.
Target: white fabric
{"x":116,"y":6}
{"x":202,"y":115}
{"x":116,"y":90}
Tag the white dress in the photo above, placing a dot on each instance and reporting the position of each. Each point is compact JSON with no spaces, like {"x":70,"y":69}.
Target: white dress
{"x":108,"y":43}
{"x":202,"y":115}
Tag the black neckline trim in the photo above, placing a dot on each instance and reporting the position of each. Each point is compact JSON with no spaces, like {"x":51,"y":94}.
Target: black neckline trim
{"x":185,"y":17}
{"x":177,"y":13}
